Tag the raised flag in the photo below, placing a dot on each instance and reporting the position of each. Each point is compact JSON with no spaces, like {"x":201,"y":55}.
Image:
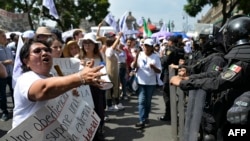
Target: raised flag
{"x":122,"y":22}
{"x":110,"y":19}
{"x":140,"y":21}
{"x":52,"y":8}
{"x":163,"y":27}
{"x":123,"y":26}
{"x":17,"y":70}
{"x":146,"y":31}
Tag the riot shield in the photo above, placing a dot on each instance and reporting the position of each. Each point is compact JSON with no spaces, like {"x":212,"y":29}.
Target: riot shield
{"x":173,"y":106}
{"x":196,"y":102}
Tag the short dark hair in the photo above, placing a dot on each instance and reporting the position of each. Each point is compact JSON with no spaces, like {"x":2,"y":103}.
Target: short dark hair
{"x":25,"y":52}
{"x":76,"y":32}
{"x":110,"y":42}
{"x":12,"y":36}
{"x":130,"y":38}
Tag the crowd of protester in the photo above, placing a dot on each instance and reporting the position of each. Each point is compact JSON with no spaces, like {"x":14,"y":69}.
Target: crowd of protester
{"x":143,"y":60}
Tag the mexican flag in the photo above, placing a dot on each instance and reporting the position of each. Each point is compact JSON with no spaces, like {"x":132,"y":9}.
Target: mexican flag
{"x":146,"y":31}
{"x":235,"y":68}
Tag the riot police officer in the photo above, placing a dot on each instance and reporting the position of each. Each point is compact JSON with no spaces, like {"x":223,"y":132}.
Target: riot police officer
{"x":172,"y":56}
{"x":233,"y":80}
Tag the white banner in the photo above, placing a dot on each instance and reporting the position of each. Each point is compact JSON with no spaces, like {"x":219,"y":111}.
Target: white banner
{"x":66,"y":118}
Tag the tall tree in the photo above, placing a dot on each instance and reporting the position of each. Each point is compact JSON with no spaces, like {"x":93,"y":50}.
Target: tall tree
{"x":193,"y":7}
{"x":70,"y":11}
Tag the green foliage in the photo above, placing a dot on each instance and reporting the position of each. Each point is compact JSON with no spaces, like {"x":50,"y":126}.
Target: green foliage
{"x":244,"y":5}
{"x":193,"y":7}
{"x":192,"y":10}
{"x":70,"y":11}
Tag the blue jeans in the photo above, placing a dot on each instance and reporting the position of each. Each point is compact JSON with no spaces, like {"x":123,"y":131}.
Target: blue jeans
{"x":145,"y":96}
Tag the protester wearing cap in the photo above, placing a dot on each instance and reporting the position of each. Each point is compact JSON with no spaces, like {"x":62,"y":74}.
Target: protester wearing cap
{"x":163,"y":47}
{"x":187,"y":45}
{"x":110,"y":35}
{"x":148,"y":66}
{"x":112,"y":56}
{"x":43,"y":33}
{"x":71,"y":49}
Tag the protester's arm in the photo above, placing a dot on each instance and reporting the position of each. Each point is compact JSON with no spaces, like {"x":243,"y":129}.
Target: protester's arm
{"x":52,"y":87}
{"x":117,"y":41}
{"x":99,"y":29}
{"x":156,"y":67}
{"x":134,"y":64}
{"x":7,"y":62}
{"x":3,"y":72}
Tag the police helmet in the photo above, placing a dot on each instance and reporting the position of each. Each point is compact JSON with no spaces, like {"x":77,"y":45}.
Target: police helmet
{"x":236,"y":31}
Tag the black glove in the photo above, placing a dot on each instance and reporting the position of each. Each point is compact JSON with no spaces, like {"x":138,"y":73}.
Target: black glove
{"x":238,"y":113}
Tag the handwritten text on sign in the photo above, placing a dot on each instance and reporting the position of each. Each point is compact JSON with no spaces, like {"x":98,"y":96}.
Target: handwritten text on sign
{"x":66,"y":118}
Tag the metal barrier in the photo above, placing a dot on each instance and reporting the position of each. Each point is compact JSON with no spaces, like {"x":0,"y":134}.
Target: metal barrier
{"x":177,"y":103}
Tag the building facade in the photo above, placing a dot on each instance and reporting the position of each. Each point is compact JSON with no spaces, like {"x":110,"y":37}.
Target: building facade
{"x":214,"y":14}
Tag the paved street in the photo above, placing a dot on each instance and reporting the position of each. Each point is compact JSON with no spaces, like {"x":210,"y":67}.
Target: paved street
{"x":121,"y":124}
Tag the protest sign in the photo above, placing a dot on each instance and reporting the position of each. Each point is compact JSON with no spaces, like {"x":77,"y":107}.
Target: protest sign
{"x":66,"y":118}
{"x":69,"y":66}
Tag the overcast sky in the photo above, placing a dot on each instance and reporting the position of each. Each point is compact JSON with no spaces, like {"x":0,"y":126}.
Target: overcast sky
{"x":155,"y":10}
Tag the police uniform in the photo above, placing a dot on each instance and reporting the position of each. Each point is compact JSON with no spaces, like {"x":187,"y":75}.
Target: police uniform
{"x":231,"y":82}
{"x":234,"y":79}
{"x":172,"y":56}
{"x":212,"y":63}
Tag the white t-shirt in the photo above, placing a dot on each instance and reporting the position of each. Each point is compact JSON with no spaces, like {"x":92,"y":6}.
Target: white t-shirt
{"x":23,"y":106}
{"x":145,"y":74}
{"x":110,"y":51}
{"x":122,"y":57}
{"x":187,"y":47}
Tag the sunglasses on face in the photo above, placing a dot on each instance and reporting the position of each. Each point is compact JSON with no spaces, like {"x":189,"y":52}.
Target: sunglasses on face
{"x":43,"y":36}
{"x":87,"y":42}
{"x":39,"y":50}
